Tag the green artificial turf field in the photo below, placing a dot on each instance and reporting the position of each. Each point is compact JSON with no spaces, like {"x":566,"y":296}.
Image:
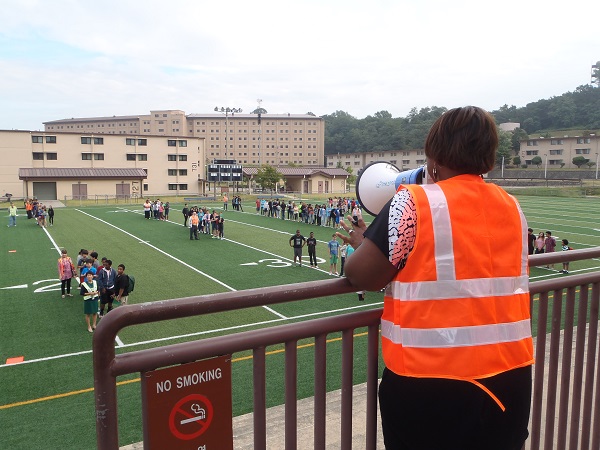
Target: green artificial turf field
{"x":47,"y":401}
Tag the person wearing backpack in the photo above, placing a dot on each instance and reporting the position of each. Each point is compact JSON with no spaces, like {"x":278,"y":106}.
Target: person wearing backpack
{"x":122,"y":285}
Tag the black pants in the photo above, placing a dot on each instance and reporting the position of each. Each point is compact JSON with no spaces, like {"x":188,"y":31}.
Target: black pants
{"x":431,"y":414}
{"x":312,"y":255}
{"x":65,"y":284}
{"x":194,"y":232}
{"x":107,"y":297}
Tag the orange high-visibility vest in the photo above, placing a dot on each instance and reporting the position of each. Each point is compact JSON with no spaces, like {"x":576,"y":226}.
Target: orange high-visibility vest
{"x":195,"y":220}
{"x":459,"y":309}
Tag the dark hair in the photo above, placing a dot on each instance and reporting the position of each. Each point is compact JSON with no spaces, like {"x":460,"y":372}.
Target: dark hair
{"x":94,"y":255}
{"x":464,"y":139}
{"x":122,"y":265}
{"x":565,"y":242}
{"x":109,"y":262}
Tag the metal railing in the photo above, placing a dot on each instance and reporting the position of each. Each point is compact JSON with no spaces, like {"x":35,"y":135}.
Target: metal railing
{"x":576,"y":384}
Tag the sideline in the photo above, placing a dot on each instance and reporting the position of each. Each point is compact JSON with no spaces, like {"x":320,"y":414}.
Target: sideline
{"x":199,"y":333}
{"x":175,"y":259}
{"x":137,"y":380}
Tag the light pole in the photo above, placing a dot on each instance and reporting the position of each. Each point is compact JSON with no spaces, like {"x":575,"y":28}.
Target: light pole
{"x":596,"y":166}
{"x":546,"y":167}
{"x":227,"y":110}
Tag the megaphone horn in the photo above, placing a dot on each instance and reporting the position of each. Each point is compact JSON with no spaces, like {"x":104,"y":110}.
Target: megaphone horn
{"x":378,"y":182}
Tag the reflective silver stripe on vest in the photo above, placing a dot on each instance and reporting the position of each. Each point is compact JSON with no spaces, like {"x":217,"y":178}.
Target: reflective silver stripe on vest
{"x":449,"y":289}
{"x":442,"y":232}
{"x":524,"y":243}
{"x":456,"y":336}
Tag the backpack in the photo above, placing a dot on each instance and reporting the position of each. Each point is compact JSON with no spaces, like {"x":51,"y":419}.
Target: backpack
{"x":131,"y":285}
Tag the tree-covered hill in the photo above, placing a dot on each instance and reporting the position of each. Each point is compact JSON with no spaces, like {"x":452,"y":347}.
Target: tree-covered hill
{"x":578,"y":110}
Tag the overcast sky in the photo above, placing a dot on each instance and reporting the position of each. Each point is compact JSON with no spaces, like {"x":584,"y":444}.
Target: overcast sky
{"x":81,"y":58}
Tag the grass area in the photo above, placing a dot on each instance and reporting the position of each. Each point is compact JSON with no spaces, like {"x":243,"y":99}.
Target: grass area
{"x":48,"y":401}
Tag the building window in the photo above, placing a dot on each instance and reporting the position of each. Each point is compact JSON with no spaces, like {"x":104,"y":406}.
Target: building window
{"x":171,"y":157}
{"x":172,"y":143}
{"x":142,"y":157}
{"x":556,"y":152}
{"x":86,"y":140}
{"x":98,"y":141}
{"x":52,"y":156}
{"x":584,"y":140}
{"x":182,"y":157}
{"x":556,"y":142}
{"x":130,"y":156}
{"x":99,"y":156}
{"x":172,"y":186}
{"x":582,"y":151}
{"x":532,"y":143}
{"x":37,"y":139}
{"x":37,"y":156}
{"x":145,"y":187}
{"x":86,"y":156}
{"x":183,"y":143}
{"x":50,"y":139}
{"x":143,"y":142}
{"x":172,"y":172}
{"x":129,"y":141}
{"x":183,"y":172}
{"x":531,"y":152}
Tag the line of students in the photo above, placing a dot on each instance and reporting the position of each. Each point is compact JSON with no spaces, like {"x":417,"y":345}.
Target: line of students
{"x":203,"y":221}
{"x":100,"y":286}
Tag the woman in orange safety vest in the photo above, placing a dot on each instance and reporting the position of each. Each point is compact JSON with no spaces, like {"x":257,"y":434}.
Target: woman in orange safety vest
{"x":455,"y":329}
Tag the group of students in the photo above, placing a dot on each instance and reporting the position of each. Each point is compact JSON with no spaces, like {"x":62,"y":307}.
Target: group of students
{"x":337,"y":252}
{"x":236,"y":203}
{"x":546,"y":243}
{"x":36,"y":210}
{"x":156,"y":209}
{"x":325,"y":215}
{"x":97,"y":281}
{"x":203,"y":221}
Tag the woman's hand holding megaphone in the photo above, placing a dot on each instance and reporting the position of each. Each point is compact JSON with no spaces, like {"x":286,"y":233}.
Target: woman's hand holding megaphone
{"x":355,"y":234}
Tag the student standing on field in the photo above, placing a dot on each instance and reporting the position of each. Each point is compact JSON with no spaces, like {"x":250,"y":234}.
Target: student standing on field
{"x":311,"y":243}
{"x":12,"y":215}
{"x":121,"y":285}
{"x":89,"y":290}
{"x":106,"y":284}
{"x":297,"y":241}
{"x":550,"y":244}
{"x":185,"y":211}
{"x":334,"y":247}
{"x":565,"y":247}
{"x":66,"y":271}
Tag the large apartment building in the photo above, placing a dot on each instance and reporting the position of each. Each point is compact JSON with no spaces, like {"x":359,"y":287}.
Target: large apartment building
{"x":275,"y":139}
{"x":403,"y":159}
{"x":558,"y":152}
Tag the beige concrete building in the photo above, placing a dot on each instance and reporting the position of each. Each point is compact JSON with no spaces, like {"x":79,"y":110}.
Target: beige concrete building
{"x":558,"y":152}
{"x":275,"y":139}
{"x":403,"y":159}
{"x":58,"y":165}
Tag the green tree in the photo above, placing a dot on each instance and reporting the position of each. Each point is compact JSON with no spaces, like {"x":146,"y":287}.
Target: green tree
{"x":516,"y":161}
{"x":518,"y":134}
{"x":504,"y":148}
{"x":590,"y":164}
{"x":267,"y":177}
{"x":536,"y":160}
{"x":580,"y":161}
{"x":351,"y":178}
{"x":596,"y":74}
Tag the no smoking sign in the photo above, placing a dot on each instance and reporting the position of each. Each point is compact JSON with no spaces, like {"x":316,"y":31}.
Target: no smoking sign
{"x":188,"y":406}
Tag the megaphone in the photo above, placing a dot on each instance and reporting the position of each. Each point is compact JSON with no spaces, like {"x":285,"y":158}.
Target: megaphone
{"x":378,"y":182}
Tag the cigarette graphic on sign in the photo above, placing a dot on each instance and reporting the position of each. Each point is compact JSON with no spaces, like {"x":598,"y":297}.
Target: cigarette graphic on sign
{"x":201,"y":414}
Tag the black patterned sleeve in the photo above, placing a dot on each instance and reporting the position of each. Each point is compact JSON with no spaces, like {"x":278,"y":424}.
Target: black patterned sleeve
{"x":393,"y":231}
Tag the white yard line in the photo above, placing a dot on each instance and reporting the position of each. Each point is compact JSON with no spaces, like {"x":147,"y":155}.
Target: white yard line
{"x":176,"y":259}
{"x":199,"y":333}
